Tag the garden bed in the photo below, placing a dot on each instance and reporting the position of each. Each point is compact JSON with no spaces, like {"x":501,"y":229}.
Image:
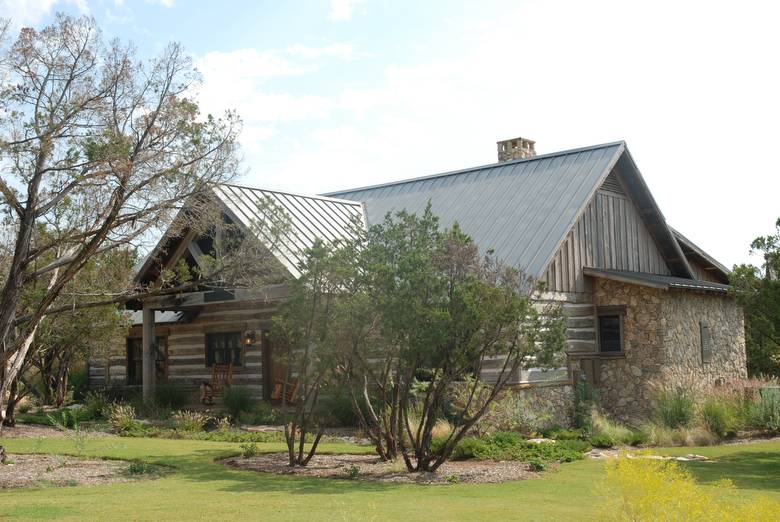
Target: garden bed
{"x":371,"y":468}
{"x":27,"y":471}
{"x":34,"y":431}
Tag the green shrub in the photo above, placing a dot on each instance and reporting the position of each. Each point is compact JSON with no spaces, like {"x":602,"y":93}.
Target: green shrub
{"x":170,"y":396}
{"x":339,"y":407}
{"x":78,"y":382}
{"x":190,"y":420}
{"x":141,"y":468}
{"x":67,"y":418}
{"x":576,"y":445}
{"x":675,"y":408}
{"x":719,"y":417}
{"x":586,"y":399}
{"x":562,"y":434}
{"x":248,"y":450}
{"x":636,"y":438}
{"x":537,"y":464}
{"x":764,"y":414}
{"x":470,"y":448}
{"x":602,"y":440}
{"x":263,"y":414}
{"x":510,"y":446}
{"x":96,"y":405}
{"x":121,"y":417}
{"x":237,"y":400}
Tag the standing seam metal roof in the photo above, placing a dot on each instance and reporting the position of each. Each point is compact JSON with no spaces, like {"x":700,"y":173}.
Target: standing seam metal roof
{"x":310,"y":218}
{"x":521,"y":209}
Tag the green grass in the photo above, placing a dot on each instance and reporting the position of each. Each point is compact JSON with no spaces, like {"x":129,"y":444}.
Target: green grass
{"x":200,"y":489}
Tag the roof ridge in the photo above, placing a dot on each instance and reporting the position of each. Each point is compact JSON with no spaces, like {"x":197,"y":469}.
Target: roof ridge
{"x":479,"y":167}
{"x":320,"y":197}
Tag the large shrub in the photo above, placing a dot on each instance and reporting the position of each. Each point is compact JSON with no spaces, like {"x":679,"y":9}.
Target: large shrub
{"x":171,"y":396}
{"x":675,"y":408}
{"x":237,"y":400}
{"x":764,"y":414}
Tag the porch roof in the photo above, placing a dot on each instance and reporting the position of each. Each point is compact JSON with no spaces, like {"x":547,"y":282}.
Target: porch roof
{"x":655,"y":281}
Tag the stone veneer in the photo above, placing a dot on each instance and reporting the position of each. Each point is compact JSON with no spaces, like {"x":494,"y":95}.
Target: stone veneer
{"x":552,"y":404}
{"x":661,"y":334}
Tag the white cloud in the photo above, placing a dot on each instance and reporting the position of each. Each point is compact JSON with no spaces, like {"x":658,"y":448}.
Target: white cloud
{"x":696,"y":109}
{"x":344,"y":51}
{"x":164,"y":3}
{"x":25,"y":13}
{"x":341,"y":10}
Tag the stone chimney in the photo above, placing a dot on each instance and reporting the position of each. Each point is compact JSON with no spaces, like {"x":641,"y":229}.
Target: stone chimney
{"x":517,"y":148}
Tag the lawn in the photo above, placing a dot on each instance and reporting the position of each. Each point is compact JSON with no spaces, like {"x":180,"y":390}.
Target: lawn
{"x":199,"y":489}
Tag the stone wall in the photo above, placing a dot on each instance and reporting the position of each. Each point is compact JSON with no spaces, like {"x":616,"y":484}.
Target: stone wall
{"x":662,"y":344}
{"x":623,"y":381}
{"x":551,"y":404}
{"x":682,"y":341}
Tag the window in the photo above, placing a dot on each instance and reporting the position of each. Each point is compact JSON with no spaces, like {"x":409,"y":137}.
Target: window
{"x":135,"y":360}
{"x":706,"y":342}
{"x":610,"y":325}
{"x":223,"y":348}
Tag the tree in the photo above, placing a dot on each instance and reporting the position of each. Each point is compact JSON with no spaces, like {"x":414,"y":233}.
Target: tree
{"x":66,"y":338}
{"x":306,"y":331}
{"x":431,"y":316}
{"x":757,"y":289}
{"x":99,"y":149}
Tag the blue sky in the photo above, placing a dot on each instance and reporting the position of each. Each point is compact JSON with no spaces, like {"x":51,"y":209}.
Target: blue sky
{"x":342,"y":93}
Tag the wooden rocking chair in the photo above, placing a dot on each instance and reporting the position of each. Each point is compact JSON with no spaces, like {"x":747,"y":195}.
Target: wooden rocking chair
{"x":290,"y":391}
{"x":221,"y":376}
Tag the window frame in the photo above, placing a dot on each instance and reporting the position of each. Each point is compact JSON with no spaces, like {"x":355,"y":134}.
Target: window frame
{"x":611,"y":311}
{"x":211,"y":361}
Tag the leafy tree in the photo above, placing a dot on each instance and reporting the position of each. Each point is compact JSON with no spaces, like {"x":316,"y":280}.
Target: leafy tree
{"x":305,"y":330}
{"x":757,"y":289}
{"x":99,"y":149}
{"x":431,"y":314}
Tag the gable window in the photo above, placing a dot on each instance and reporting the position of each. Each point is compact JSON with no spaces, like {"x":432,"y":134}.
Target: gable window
{"x":223,"y":348}
{"x":135,"y":360}
{"x":610,"y":328}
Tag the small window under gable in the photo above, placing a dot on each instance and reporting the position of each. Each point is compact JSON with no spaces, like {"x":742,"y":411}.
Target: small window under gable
{"x":706,"y":342}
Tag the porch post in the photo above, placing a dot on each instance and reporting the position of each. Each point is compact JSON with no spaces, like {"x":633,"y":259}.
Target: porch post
{"x":148,"y":355}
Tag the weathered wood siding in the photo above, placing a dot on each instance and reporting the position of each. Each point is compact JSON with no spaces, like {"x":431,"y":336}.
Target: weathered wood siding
{"x":700,"y":273}
{"x":186,"y":347}
{"x":609,"y":234}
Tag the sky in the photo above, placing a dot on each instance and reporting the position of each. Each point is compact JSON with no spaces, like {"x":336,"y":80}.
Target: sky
{"x":336,"y":94}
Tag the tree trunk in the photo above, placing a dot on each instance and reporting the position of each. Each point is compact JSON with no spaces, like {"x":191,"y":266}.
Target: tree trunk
{"x":10,"y":409}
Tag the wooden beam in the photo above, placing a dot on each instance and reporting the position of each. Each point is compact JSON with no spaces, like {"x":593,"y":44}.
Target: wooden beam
{"x":148,"y":354}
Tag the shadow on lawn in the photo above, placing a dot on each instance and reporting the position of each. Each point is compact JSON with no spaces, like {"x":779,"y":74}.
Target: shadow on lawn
{"x":201,"y":466}
{"x":759,"y":470}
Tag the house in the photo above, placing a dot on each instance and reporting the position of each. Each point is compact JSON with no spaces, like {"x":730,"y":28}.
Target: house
{"x":644,"y":303}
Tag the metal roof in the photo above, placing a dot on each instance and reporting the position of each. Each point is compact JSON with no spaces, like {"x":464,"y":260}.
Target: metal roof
{"x":521,"y":209}
{"x":656,"y":281}
{"x":160,"y":317}
{"x":700,"y":252}
{"x":310,"y":217}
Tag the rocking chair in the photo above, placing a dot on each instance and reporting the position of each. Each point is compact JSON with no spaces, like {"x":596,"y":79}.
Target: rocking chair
{"x":221,"y":376}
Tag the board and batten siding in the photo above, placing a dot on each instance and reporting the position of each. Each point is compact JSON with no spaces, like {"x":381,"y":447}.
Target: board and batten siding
{"x":609,"y":234}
